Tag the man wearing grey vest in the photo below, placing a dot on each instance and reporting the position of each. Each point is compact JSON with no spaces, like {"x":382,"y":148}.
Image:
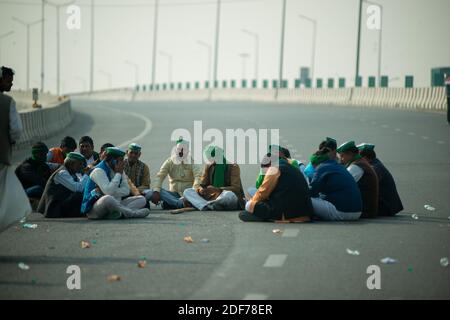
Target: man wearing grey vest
{"x":14,"y":203}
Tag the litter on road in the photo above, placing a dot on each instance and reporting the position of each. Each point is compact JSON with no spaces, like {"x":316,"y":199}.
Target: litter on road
{"x":114,"y":278}
{"x":23,"y":266}
{"x":388,"y":260}
{"x":352,"y":252}
{"x":30,"y":226}
{"x":85,"y":244}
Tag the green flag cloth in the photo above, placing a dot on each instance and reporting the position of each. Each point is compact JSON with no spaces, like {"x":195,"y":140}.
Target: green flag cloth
{"x":216,"y":154}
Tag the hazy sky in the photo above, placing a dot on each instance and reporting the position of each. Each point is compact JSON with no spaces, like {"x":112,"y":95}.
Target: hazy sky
{"x":415,"y":39}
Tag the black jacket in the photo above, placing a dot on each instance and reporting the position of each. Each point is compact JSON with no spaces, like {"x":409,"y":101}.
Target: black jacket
{"x":59,"y":202}
{"x":290,"y":198}
{"x":389,"y":202}
{"x":33,"y":173}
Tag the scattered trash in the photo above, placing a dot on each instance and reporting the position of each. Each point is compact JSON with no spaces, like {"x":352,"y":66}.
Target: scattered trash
{"x":388,"y":260}
{"x":410,"y":269}
{"x":205,"y":240}
{"x":30,"y":225}
{"x":23,"y":220}
{"x":94,"y":241}
{"x":415,"y":216}
{"x":429,"y":208}
{"x":444,"y":262}
{"x":114,"y":278}
{"x":188,"y":239}
{"x":142,"y":263}
{"x":277,"y":231}
{"x":448,"y":217}
{"x":352,"y":252}
{"x":85,"y":245}
{"x":23,"y":266}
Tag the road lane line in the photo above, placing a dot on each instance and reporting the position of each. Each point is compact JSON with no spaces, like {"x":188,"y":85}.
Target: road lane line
{"x":255,"y":296}
{"x":290,"y":233}
{"x":275,"y":260}
{"x":147,"y":128}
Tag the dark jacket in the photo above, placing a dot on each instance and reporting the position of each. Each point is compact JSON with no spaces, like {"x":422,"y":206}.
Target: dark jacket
{"x":289,"y":199}
{"x":389,"y":202}
{"x":232,"y":180}
{"x":33,"y":173}
{"x":336,"y":185}
{"x":368,"y":185}
{"x":59,"y":202}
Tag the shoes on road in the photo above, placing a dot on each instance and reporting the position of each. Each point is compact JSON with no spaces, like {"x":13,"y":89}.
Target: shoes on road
{"x":182,"y":210}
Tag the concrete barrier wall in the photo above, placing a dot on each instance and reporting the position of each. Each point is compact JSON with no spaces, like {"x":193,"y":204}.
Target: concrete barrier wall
{"x":431,"y":99}
{"x":39,"y":124}
{"x":24,"y":99}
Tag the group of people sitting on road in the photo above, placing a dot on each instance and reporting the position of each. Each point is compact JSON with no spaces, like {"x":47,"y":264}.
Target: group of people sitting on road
{"x":339,"y":184}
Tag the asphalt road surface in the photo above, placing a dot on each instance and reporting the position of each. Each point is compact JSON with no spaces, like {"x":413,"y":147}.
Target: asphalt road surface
{"x":246,"y":260}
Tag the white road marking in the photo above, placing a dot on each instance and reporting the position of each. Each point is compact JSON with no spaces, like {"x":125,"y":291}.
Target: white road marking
{"x":275,"y":260}
{"x":147,"y":128}
{"x":290,"y":233}
{"x":255,"y":296}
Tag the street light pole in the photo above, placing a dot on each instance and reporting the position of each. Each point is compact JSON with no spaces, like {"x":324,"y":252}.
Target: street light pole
{"x":155,"y":42}
{"x":244,"y":57}
{"x":216,"y":50}
{"x":58,"y":27}
{"x":27,"y":25}
{"x":42,"y":44}
{"x":358,"y":41}
{"x":314,"y":40}
{"x":91,"y":75}
{"x":208,"y":47}
{"x":1,"y":38}
{"x":169,"y":57}
{"x":109,"y":76}
{"x":136,"y":71}
{"x":256,"y":37}
{"x":380,"y":33}
{"x":283,"y":25}
{"x":208,"y":75}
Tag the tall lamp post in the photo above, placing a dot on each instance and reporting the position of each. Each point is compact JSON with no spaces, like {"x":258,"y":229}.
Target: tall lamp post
{"x":169,"y":57}
{"x":283,"y":26}
{"x":380,"y":33}
{"x":2,"y":36}
{"x":108,"y":75}
{"x":314,"y":41}
{"x":255,"y":36}
{"x":136,"y":71}
{"x":28,"y":25}
{"x":155,"y":42}
{"x":58,"y":27}
{"x":244,"y":57}
{"x":208,"y":75}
